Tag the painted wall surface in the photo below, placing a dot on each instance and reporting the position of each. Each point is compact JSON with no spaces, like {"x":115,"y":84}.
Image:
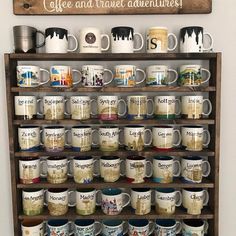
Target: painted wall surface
{"x":221,"y":24}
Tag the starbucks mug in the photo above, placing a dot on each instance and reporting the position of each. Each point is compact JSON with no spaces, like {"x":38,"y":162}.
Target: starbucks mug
{"x":141,"y":227}
{"x":194,"y":227}
{"x":167,"y":227}
{"x":87,"y":227}
{"x":32,"y":227}
{"x":113,"y":227}
{"x":59,"y":227}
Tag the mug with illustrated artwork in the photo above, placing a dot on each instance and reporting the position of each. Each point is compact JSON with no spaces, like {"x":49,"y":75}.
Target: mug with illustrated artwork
{"x":166,"y":199}
{"x":113,"y":227}
{"x":193,"y":107}
{"x":90,"y":40}
{"x":31,"y":76}
{"x":194,"y":227}
{"x":59,"y":227}
{"x":84,"y":227}
{"x":167,"y":227}
{"x":122,"y":40}
{"x":165,"y":168}
{"x":192,"y":40}
{"x":194,"y":168}
{"x":126,"y":76}
{"x":195,"y":138}
{"x":194,"y":199}
{"x":141,"y":227}
{"x":160,"y":75}
{"x":192,"y":75}
{"x":158,"y":40}
{"x":32,"y":228}
{"x":57,"y":40}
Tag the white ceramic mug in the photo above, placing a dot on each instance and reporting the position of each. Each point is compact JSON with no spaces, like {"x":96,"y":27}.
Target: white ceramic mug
{"x":32,"y":227}
{"x":141,"y":227}
{"x":167,"y":227}
{"x":59,"y":227}
{"x":87,"y":227}
{"x":195,"y":227}
{"x":113,"y":227}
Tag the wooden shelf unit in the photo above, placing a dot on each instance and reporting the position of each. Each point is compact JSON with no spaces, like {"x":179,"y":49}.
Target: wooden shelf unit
{"x":211,"y":213}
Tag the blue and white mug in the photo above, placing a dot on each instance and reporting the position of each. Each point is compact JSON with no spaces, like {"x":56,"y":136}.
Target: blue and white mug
{"x":141,"y":227}
{"x":167,"y":227}
{"x":87,"y":227}
{"x":59,"y":227}
{"x":195,"y":227}
{"x":113,"y":227}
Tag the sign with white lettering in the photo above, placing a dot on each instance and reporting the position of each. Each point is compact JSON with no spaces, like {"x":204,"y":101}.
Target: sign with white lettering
{"x":112,"y":7}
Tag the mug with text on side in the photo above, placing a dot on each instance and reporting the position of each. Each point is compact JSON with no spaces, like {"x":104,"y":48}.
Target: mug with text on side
{"x":86,"y":227}
{"x":113,"y":227}
{"x":141,"y":227}
{"x":32,"y":227}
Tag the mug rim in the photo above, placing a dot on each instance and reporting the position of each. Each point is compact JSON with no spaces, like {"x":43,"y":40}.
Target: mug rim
{"x":161,"y":222}
{"x":80,"y":96}
{"x":192,"y":127}
{"x":29,"y":159}
{"x":165,"y":190}
{"x":110,"y":158}
{"x":29,"y":127}
{"x":85,"y":190}
{"x":51,"y":96}
{"x":163,"y":127}
{"x":82,"y":158}
{"x":122,"y":27}
{"x":57,"y":28}
{"x":196,"y":26}
{"x":163,"y":158}
{"x":39,"y":222}
{"x":28,"y":96}
{"x":108,"y":191}
{"x":62,"y":222}
{"x":136,"y":158}
{"x":54,"y":127}
{"x":141,"y":190}
{"x":193,"y":158}
{"x":32,"y":190}
{"x":105,"y":222}
{"x":81,"y":127}
{"x":83,"y":223}
{"x":138,"y":223}
{"x":134,"y":126}
{"x":192,"y":221}
{"x":194,"y":190}
{"x":58,"y":190}
{"x":108,"y":127}
{"x":56,"y":158}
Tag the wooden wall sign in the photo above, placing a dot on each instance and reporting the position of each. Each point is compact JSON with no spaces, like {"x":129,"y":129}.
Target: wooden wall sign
{"x":112,"y":7}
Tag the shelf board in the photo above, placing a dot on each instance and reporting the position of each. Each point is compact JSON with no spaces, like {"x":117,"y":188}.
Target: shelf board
{"x":98,"y":183}
{"x":126,"y":214}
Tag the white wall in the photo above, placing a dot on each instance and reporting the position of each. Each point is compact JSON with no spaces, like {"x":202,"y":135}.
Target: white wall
{"x":221,"y":23}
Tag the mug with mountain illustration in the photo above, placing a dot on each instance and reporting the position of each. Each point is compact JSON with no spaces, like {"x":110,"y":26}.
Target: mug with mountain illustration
{"x":194,"y":138}
{"x":192,"y":75}
{"x":196,"y":227}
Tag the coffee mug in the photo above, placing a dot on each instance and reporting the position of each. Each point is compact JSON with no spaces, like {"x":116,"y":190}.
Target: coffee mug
{"x":141,"y":200}
{"x":166,"y":199}
{"x":165,"y":107}
{"x":193,"y":138}
{"x":110,"y":168}
{"x":137,"y":169}
{"x":90,"y":40}
{"x":59,"y":227}
{"x":160,"y":75}
{"x":32,"y":201}
{"x":141,"y":227}
{"x":113,"y":201}
{"x":192,"y":40}
{"x":194,"y":227}
{"x":165,"y":168}
{"x":158,"y":40}
{"x":122,"y":40}
{"x":61,"y":76}
{"x":135,"y":136}
{"x":29,"y":138}
{"x":93,"y":76}
{"x":31,"y":76}
{"x":32,"y":227}
{"x":192,"y":75}
{"x":83,"y":169}
{"x":57,"y":40}
{"x":108,"y":107}
{"x":25,"y":107}
{"x":165,"y":137}
{"x":25,"y":39}
{"x":87,"y":227}
{"x":192,"y":107}
{"x":85,"y":201}
{"x":167,"y":227}
{"x":113,"y":227}
{"x":138,"y":107}
{"x":194,"y":199}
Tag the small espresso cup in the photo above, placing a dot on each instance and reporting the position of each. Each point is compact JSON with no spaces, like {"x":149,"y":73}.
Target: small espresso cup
{"x":194,"y":227}
{"x":167,"y":227}
{"x":113,"y":200}
{"x":126,"y":76}
{"x":61,"y":76}
{"x":141,"y":200}
{"x":135,"y":136}
{"x":165,"y":107}
{"x":90,"y":40}
{"x":32,"y":201}
{"x":193,"y":107}
{"x":195,"y":138}
{"x":194,"y":199}
{"x":122,"y":40}
{"x":32,"y":227}
{"x":166,"y":199}
{"x":192,"y":40}
{"x":165,"y":137}
{"x":31,"y":76}
{"x":192,"y":75}
{"x":57,"y":40}
{"x":158,"y":40}
{"x":160,"y":75}
{"x":108,"y":107}
{"x":113,"y":227}
{"x":29,"y":138}
{"x":165,"y":168}
{"x":137,"y":169}
{"x":94,"y":76}
{"x":141,"y":227}
{"x":194,"y":168}
{"x":138,"y":107}
{"x":84,"y":227}
{"x":25,"y":107}
{"x":59,"y":227}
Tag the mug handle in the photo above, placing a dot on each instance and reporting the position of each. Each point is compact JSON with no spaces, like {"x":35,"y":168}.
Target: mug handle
{"x":76,"y":43}
{"x":42,"y":164}
{"x":98,"y":192}
{"x":178,"y":227}
{"x":128,"y":201}
{"x":108,"y":42}
{"x":65,"y":104}
{"x":77,"y":71}
{"x":206,"y":197}
{"x":152,"y":111}
{"x":70,"y":174}
{"x":150,"y":132}
{"x":99,"y":228}
{"x":209,"y":106}
{"x":176,"y":41}
{"x":178,"y":198}
{"x":46,"y":71}
{"x":93,"y":131}
{"x":176,"y":131}
{"x":71,"y":204}
{"x":142,"y":42}
{"x":71,"y":227}
{"x":43,"y":43}
{"x":124,"y":102}
{"x":67,"y":133}
{"x":39,"y":102}
{"x":125,"y":227}
{"x":208,"y":168}
{"x":122,"y":162}
{"x":208,"y":140}
{"x":95,"y":174}
{"x":211,"y":42}
{"x":179,"y":106}
{"x":151,"y":227}
{"x":112,"y":76}
{"x":208,"y":75}
{"x":176,"y":75}
{"x":91,"y":101}
{"x":151,"y":169}
{"x":144,"y":76}
{"x":206,"y":226}
{"x":178,"y":167}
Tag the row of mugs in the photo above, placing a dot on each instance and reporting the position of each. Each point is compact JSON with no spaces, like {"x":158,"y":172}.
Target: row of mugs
{"x":83,"y":169}
{"x":124,"y":76}
{"x":84,"y":227}
{"x":113,"y":200}
{"x":122,"y":40}
{"x":135,"y":138}
{"x":108,"y":107}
